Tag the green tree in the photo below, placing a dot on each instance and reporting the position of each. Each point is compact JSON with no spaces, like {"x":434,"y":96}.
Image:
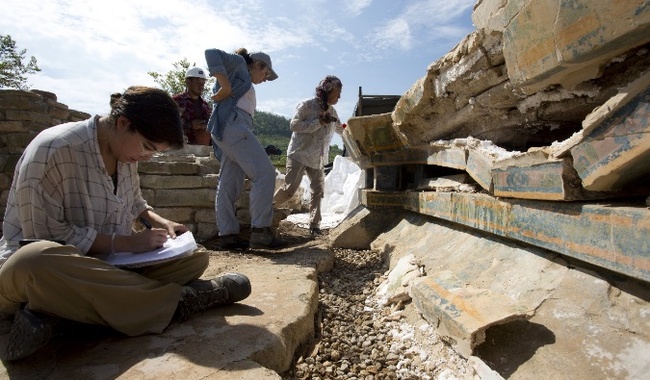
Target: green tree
{"x":173,"y":82}
{"x":12,"y":67}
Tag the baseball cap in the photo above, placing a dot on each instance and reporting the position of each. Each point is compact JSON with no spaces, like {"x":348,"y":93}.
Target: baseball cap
{"x":259,"y":56}
{"x":195,"y":72}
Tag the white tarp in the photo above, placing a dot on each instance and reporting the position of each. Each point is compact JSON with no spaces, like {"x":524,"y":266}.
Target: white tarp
{"x":341,"y":194}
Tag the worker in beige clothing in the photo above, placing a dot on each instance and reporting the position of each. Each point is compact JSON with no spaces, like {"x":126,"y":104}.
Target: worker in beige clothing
{"x":313,"y":126}
{"x":74,"y":199}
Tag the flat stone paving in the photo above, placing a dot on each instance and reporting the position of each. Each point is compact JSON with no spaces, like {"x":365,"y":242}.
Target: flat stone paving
{"x":255,"y":339}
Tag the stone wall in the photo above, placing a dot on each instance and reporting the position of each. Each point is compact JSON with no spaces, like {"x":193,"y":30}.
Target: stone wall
{"x":23,"y":114}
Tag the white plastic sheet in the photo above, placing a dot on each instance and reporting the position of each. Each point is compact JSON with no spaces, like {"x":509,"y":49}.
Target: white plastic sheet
{"x":341,"y":194}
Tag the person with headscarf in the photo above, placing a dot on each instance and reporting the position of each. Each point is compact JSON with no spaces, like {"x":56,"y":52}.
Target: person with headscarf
{"x":313,"y":125}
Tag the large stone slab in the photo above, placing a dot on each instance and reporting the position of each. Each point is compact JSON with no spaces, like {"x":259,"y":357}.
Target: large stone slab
{"x":375,"y":134}
{"x":612,"y":236}
{"x":617,"y":151}
{"x":254,"y":339}
{"x":523,"y":310}
{"x":567,"y":42}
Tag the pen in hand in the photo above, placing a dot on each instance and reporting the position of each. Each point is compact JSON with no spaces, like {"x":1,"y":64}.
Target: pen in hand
{"x":145,"y":223}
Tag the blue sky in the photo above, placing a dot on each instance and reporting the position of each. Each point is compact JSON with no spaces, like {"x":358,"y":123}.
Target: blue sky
{"x":89,"y":49}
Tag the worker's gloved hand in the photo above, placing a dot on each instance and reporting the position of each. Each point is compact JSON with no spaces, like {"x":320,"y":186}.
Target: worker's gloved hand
{"x":272,"y":149}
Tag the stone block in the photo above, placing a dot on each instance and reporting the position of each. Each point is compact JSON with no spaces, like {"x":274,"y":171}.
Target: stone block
{"x":206,"y":231}
{"x":479,"y":211}
{"x":150,"y":196}
{"x":440,"y":153}
{"x":547,"y":180}
{"x":495,"y":15}
{"x":501,"y":96}
{"x":611,"y":237}
{"x":12,"y":126}
{"x":176,"y":182}
{"x":244,"y":217}
{"x":167,"y":168}
{"x":19,"y":100}
{"x":78,"y":115}
{"x":209,"y":167}
{"x":462,"y":312}
{"x":567,"y":42}
{"x":479,"y":166}
{"x":375,"y":134}
{"x":381,"y":199}
{"x":28,"y":115}
{"x":447,"y":155}
{"x":15,"y":143}
{"x":5,"y":181}
{"x":615,"y":238}
{"x":60,"y":111}
{"x":205,"y":216}
{"x":615,"y":151}
{"x":181,"y":215}
{"x":185,"y":198}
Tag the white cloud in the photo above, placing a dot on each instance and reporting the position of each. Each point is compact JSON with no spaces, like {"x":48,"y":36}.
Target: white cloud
{"x":354,"y":8}
{"x":395,"y":34}
{"x":429,"y":20}
{"x":88,"y":49}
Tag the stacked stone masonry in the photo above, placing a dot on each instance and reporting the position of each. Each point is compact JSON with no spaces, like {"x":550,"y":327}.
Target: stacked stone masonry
{"x":528,"y":142}
{"x":546,"y":101}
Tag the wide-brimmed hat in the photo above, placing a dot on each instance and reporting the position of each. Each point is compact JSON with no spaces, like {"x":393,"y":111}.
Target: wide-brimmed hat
{"x":259,"y":56}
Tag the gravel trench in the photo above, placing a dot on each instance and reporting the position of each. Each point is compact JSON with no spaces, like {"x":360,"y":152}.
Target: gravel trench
{"x":358,"y":337}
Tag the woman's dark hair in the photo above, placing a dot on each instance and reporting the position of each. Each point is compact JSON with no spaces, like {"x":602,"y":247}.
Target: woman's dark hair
{"x":244,"y":53}
{"x":249,"y":60}
{"x":325,"y":87}
{"x":152,"y":113}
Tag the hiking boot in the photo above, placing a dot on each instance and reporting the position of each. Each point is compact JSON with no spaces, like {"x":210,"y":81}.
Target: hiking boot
{"x":265,"y":238}
{"x":237,"y":284}
{"x":315,"y":231}
{"x":232,"y":242}
{"x":201,"y":295}
{"x":29,"y":332}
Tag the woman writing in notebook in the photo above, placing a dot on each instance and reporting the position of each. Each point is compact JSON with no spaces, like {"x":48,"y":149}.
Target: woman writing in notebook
{"x":78,"y":183}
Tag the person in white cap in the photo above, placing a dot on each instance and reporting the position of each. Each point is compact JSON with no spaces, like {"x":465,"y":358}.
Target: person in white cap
{"x":195,"y":111}
{"x":239,"y":151}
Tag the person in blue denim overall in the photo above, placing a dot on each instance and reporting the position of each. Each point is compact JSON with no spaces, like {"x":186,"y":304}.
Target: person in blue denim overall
{"x":239,"y":151}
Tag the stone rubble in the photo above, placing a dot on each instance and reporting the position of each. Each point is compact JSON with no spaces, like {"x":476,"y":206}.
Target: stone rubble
{"x":360,"y":336}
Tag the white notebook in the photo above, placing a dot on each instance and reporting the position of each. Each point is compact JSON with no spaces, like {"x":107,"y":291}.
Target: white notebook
{"x":173,"y":249}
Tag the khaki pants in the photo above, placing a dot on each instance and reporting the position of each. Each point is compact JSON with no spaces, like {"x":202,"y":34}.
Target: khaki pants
{"x":292,"y":179}
{"x":56,"y":279}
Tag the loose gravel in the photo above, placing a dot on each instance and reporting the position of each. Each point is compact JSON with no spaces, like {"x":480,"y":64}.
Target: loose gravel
{"x":358,"y":336}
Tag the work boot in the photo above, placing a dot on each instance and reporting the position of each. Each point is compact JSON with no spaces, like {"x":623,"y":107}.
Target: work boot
{"x":30,"y":332}
{"x":315,"y":231}
{"x":237,"y":284}
{"x":232,"y":242}
{"x":263,"y":237}
{"x":201,"y":295}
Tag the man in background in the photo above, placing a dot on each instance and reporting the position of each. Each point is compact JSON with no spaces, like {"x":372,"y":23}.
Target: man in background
{"x":195,"y":111}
